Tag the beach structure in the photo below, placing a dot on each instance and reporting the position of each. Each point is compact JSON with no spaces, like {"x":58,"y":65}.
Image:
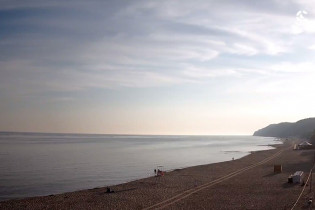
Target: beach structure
{"x":297,"y":177}
{"x":159,"y":171}
{"x":305,"y":145}
{"x":277,"y":169}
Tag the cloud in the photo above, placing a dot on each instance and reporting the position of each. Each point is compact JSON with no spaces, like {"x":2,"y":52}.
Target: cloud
{"x":64,"y":61}
{"x":201,"y":74}
{"x":74,"y":47}
{"x":289,"y":67}
{"x":285,"y":80}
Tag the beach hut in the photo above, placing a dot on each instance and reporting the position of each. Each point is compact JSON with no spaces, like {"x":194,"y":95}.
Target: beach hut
{"x":297,"y":177}
{"x":305,"y":145}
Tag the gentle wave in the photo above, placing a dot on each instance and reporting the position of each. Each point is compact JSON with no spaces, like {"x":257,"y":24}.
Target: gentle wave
{"x":35,"y":164}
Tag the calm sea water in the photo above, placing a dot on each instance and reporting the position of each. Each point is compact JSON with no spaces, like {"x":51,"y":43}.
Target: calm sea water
{"x":41,"y":164}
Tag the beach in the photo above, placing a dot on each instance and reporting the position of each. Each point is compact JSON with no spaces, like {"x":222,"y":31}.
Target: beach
{"x":246,"y":183}
{"x":147,"y":104}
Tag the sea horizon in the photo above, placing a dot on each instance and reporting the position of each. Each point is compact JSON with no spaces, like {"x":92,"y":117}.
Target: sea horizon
{"x":122,"y":134}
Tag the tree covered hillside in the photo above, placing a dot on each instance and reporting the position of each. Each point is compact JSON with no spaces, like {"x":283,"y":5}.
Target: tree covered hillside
{"x":302,"y":128}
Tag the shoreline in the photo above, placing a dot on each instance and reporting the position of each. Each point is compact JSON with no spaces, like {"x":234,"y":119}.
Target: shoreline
{"x":224,"y":154}
{"x":274,"y":146}
{"x":142,"y":193}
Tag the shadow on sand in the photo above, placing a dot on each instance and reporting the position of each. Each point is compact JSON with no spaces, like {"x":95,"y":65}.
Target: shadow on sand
{"x":289,"y":185}
{"x":119,"y":191}
{"x":271,"y":174}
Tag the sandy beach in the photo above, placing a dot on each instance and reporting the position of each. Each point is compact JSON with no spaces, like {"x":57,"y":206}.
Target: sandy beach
{"x":246,"y":183}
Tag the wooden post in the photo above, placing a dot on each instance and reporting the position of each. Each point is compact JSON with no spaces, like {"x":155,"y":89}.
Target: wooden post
{"x":311,"y":180}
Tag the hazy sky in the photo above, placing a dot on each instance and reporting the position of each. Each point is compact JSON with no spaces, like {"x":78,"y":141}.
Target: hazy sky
{"x":155,"y":67}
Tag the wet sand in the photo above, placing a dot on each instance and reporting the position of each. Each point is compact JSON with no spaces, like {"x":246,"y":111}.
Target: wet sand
{"x":246,"y":183}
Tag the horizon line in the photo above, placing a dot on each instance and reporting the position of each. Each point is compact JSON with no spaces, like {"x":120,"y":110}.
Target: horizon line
{"x":123,"y":134}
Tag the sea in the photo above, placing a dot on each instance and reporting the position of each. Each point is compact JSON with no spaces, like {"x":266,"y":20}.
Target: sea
{"x":36,"y":164}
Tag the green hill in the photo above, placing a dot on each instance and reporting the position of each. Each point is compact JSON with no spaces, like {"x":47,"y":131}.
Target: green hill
{"x":302,"y":128}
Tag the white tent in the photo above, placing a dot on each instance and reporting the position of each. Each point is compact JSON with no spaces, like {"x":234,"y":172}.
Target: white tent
{"x":305,"y":143}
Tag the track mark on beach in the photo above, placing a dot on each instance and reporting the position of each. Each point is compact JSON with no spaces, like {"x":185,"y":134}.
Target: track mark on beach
{"x":187,"y":193}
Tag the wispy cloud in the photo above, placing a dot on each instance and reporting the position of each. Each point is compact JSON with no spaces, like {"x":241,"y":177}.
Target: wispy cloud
{"x":73,"y":47}
{"x":193,"y":59}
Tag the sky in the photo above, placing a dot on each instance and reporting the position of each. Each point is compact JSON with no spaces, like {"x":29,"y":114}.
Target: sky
{"x":155,"y":66}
